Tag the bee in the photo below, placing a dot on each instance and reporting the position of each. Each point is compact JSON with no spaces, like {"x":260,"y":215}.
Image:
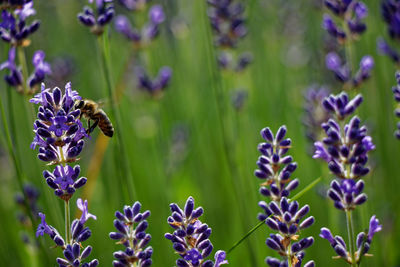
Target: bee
{"x":90,"y":110}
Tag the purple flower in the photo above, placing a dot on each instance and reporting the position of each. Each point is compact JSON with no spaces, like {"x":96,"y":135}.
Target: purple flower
{"x":96,"y":21}
{"x":330,"y":26}
{"x":15,"y":78}
{"x":334,"y":63}
{"x":347,"y":194}
{"x":41,"y":69}
{"x":156,"y":14}
{"x":131,"y":226}
{"x":390,"y":11}
{"x":274,"y":166}
{"x":190,"y":238}
{"x":83,"y":206}
{"x":364,"y":72}
{"x":43,"y":228}
{"x":156,"y":86}
{"x":64,"y":181}
{"x":59,"y":133}
{"x":320,"y":152}
{"x":220,"y":256}
{"x":73,"y":255}
{"x":315,"y":114}
{"x":374,"y":227}
{"x":385,"y":49}
{"x":341,"y":106}
{"x":26,"y":11}
{"x":227,"y":22}
{"x":14,"y":29}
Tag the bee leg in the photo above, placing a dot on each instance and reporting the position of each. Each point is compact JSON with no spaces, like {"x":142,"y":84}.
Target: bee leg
{"x":91,"y":128}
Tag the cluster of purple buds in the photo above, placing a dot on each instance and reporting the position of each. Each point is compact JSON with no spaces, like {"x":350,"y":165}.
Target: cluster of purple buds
{"x":59,"y":133}
{"x":227,"y":22}
{"x":191,"y":237}
{"x":391,"y":11}
{"x":29,"y":196}
{"x":14,"y":28}
{"x":227,"y":62}
{"x":15,"y":77}
{"x":274,"y":166}
{"x":345,"y":150}
{"x":96,"y":21}
{"x":287,"y":219}
{"x":385,"y":49}
{"x":135,"y":239}
{"x":396,"y":95}
{"x":238,"y":99}
{"x":154,"y":86}
{"x":353,"y":14}
{"x":315,"y":114}
{"x":343,"y":73}
{"x":134,"y":5}
{"x":73,"y":256}
{"x":64,"y":180}
{"x":347,"y":194}
{"x":363,"y":242}
{"x":149,"y":31}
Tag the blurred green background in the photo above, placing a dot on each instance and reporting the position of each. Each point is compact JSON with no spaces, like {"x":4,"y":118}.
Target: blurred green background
{"x":175,"y":145}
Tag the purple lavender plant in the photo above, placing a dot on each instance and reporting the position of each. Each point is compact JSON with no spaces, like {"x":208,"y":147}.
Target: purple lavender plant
{"x":396,"y":95}
{"x":343,"y":72}
{"x":345,"y":148}
{"x":349,"y":14}
{"x":156,"y":86}
{"x":315,"y":114}
{"x":191,"y":237}
{"x":281,"y":214}
{"x":16,"y":78}
{"x":275,"y":167}
{"x":96,"y":21}
{"x":390,"y":10}
{"x":228,"y":25}
{"x":59,"y":133}
{"x":14,"y":28}
{"x":73,"y":256}
{"x":363,"y":242}
{"x":143,"y":36}
{"x":27,"y":202}
{"x":131,"y":226}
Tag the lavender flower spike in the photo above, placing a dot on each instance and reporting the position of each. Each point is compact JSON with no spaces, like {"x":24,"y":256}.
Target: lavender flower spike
{"x":274,"y":166}
{"x":96,"y":21}
{"x":59,"y":133}
{"x":191,"y":237}
{"x":73,"y":255}
{"x":363,"y":242}
{"x":134,"y":238}
{"x":156,"y":86}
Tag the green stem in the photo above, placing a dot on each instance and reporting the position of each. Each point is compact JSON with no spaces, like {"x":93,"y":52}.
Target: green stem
{"x":120,"y":153}
{"x":350,"y":231}
{"x":24,"y":65}
{"x":67,"y":222}
{"x":246,"y":236}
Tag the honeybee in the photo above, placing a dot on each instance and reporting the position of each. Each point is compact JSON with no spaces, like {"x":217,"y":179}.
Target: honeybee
{"x":91,"y":111}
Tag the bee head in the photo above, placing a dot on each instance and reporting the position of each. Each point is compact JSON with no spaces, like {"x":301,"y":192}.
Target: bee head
{"x":79,"y":104}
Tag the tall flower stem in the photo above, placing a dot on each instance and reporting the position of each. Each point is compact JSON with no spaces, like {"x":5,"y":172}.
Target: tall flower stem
{"x":67,"y":222}
{"x":350,"y":231}
{"x":222,"y":114}
{"x":128,"y":191}
{"x":24,"y":65}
